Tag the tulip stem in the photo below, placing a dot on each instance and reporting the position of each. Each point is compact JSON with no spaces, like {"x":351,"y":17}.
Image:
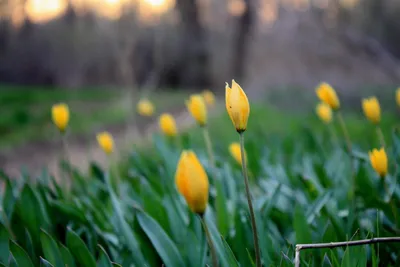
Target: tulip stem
{"x":210,"y":152}
{"x":345,"y":132}
{"x":335,"y":139}
{"x":249,"y":202}
{"x":210,"y":242}
{"x":381,"y":136}
{"x":69,"y":176}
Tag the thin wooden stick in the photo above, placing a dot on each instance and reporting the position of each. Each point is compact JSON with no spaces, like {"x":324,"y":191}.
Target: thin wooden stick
{"x":300,"y":247}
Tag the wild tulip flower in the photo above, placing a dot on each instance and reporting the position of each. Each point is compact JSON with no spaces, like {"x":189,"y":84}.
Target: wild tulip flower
{"x":324,"y":112}
{"x":237,"y":106}
{"x":234,"y":149}
{"x":379,"y":161}
{"x":328,"y":95}
{"x":60,"y":116}
{"x":168,"y":125}
{"x":197,"y":109}
{"x":145,"y":108}
{"x":192,"y":181}
{"x":372,"y":109}
{"x":209,"y":97}
{"x":398,"y":96}
{"x":106,"y":142}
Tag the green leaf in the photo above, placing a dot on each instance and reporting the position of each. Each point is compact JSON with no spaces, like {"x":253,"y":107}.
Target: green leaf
{"x":68,"y":259}
{"x":104,"y":260}
{"x":4,"y":244}
{"x":161,"y":241}
{"x":223,"y":217}
{"x":301,"y":227}
{"x":45,"y":263}
{"x":79,"y":250}
{"x":20,"y":255}
{"x":8,"y":199}
{"x":231,"y":257}
{"x":50,"y":249}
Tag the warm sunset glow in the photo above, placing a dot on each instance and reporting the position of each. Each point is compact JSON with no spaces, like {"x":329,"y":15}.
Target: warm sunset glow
{"x":150,"y":10}
{"x":155,"y":2}
{"x":44,"y":10}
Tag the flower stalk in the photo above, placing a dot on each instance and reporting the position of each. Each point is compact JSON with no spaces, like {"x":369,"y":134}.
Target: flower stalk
{"x":207,"y":140}
{"x":380,"y":136}
{"x":249,"y":202}
{"x":213,"y":253}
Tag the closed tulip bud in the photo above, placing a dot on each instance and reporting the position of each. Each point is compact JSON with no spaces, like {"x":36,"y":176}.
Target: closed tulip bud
{"x":398,"y":96}
{"x":379,"y":161}
{"x":209,"y":97}
{"x":168,"y":125}
{"x":327,"y":94}
{"x":324,"y":112}
{"x":372,"y":109}
{"x":60,"y":116}
{"x":192,"y":182}
{"x":237,"y":105}
{"x":145,"y":108}
{"x":197,"y":109}
{"x":106,"y":142}
{"x":234,"y":149}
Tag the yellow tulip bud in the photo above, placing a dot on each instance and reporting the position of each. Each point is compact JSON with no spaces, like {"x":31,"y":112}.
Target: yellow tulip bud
{"x":209,"y":97}
{"x":398,"y":96}
{"x":327,"y":94}
{"x":145,"y":108}
{"x":379,"y":161}
{"x":197,"y":109}
{"x":106,"y":142}
{"x":60,"y":116}
{"x":237,"y":105}
{"x":324,"y":112}
{"x":168,"y":125}
{"x":372,"y":109}
{"x":192,"y":181}
{"x":234,"y":149}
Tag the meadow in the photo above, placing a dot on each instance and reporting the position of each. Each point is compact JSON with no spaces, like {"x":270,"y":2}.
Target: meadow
{"x":310,"y":183}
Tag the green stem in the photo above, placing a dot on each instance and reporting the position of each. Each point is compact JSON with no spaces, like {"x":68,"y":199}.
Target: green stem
{"x":345,"y":132}
{"x":335,"y":139}
{"x":380,"y":136}
{"x":392,"y":204}
{"x":116,"y":179}
{"x":249,"y":202}
{"x":210,"y":242}
{"x":68,"y":177}
{"x":210,"y":152}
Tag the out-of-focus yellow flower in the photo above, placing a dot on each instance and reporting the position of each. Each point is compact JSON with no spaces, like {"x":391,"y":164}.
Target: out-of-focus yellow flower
{"x":145,"y":107}
{"x":192,"y":181}
{"x":237,"y":106}
{"x":197,"y":109}
{"x":379,"y":161}
{"x":106,"y":142}
{"x":324,"y":112}
{"x":168,"y":125}
{"x":234,"y":149}
{"x":60,"y":116}
{"x":372,"y":109}
{"x":209,"y":97}
{"x":398,"y":96}
{"x":328,"y":95}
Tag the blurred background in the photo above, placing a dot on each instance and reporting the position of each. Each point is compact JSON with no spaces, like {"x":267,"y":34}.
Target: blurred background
{"x":101,"y":56}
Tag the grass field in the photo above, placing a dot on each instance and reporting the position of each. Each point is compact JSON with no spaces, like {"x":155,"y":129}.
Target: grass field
{"x":305,"y":186}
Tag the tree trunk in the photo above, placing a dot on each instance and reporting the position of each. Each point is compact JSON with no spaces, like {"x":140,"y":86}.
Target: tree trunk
{"x":242,"y":37}
{"x":194,"y":61}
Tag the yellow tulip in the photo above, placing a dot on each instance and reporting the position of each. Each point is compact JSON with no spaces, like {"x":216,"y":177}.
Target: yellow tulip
{"x":168,"y":125}
{"x":398,"y":96}
{"x":237,"y":106}
{"x":209,"y":97}
{"x":192,"y":181}
{"x":60,"y":116}
{"x":234,"y":149}
{"x":328,"y":95}
{"x":197,"y":109}
{"x":372,"y":109}
{"x":106,"y":142}
{"x":145,"y":107}
{"x":379,"y":161}
{"x":324,"y":112}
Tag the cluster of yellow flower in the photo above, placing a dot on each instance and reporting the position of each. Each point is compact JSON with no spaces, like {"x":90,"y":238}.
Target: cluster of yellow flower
{"x":372,"y":111}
